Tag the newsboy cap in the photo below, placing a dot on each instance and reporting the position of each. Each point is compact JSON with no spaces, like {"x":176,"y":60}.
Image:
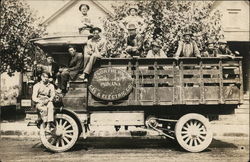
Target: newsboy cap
{"x":95,"y":28}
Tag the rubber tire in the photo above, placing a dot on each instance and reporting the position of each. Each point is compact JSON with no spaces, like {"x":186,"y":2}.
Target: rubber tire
{"x":72,"y":142}
{"x":182,"y":121}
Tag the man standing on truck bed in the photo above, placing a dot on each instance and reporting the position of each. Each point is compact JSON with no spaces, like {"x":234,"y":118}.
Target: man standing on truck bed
{"x":43,"y":95}
{"x":74,"y":68}
{"x":95,"y":49}
{"x":188,"y":47}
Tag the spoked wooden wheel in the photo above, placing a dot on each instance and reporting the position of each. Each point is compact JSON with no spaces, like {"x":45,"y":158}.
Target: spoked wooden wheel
{"x":62,"y":134}
{"x":193,"y":132}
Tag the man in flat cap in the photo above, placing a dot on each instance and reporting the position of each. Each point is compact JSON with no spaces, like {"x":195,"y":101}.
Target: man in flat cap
{"x":187,"y":47}
{"x":86,"y":24}
{"x":134,"y":42}
{"x":50,"y":67}
{"x":95,"y":49}
{"x":156,"y":51}
{"x":223,"y":50}
{"x":210,"y":50}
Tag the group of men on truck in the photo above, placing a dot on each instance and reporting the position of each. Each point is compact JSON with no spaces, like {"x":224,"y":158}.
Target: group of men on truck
{"x":80,"y":65}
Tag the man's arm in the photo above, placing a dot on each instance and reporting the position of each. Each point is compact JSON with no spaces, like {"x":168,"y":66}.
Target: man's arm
{"x":35,"y":93}
{"x":178,"y":52}
{"x":52,"y":92}
{"x":196,"y":50}
{"x":103,"y":49}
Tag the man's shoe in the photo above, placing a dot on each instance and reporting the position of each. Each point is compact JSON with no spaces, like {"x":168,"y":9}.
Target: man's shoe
{"x":83,"y":76}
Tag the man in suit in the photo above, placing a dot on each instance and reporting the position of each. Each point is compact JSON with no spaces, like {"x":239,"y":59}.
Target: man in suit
{"x":75,"y":67}
{"x":187,"y":47}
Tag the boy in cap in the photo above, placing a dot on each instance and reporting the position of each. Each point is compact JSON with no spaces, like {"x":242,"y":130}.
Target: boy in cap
{"x":43,"y":95}
{"x":156,"y":51}
{"x":188,"y":47}
{"x":134,"y":42}
{"x":86,"y":24}
{"x":210,"y":50}
{"x":223,"y":50}
{"x":95,"y":49}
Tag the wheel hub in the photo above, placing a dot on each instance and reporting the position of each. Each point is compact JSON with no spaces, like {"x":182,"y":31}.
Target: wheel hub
{"x":59,"y":131}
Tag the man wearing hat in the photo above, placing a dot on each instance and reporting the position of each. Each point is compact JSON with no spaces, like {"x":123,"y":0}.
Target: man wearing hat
{"x":43,"y":95}
{"x":133,"y":18}
{"x":156,"y":51}
{"x":223,"y":50}
{"x":50,"y":67}
{"x":134,"y":42}
{"x":95,"y":49}
{"x":86,"y":24}
{"x":188,"y":47}
{"x":210,"y":50}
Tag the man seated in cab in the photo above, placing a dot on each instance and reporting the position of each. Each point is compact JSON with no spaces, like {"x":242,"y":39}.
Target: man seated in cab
{"x":43,"y":95}
{"x":86,"y":24}
{"x":50,"y":67}
{"x":224,"y":51}
{"x":95,"y":49}
{"x":187,"y":47}
{"x":134,"y":43}
{"x":210,"y":50}
{"x":74,"y":68}
{"x":156,"y":51}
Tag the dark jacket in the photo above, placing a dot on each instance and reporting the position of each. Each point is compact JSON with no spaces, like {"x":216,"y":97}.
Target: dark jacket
{"x":45,"y":68}
{"x":75,"y":65}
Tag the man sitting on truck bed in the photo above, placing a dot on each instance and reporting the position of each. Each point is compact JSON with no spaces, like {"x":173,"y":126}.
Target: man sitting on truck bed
{"x":95,"y":49}
{"x":74,"y":68}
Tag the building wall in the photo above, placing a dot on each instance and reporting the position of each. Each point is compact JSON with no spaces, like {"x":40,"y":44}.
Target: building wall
{"x":235,"y":19}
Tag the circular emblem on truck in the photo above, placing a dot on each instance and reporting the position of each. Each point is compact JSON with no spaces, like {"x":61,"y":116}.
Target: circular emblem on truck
{"x":110,"y":84}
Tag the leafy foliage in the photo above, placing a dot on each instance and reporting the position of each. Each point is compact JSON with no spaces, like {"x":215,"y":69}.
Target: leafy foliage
{"x":167,"y":20}
{"x":18,"y":26}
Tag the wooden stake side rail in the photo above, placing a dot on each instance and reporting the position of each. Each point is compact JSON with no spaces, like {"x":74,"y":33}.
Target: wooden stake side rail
{"x":187,"y":81}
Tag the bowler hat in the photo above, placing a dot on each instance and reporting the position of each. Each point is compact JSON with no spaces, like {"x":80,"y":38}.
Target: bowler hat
{"x":82,"y":6}
{"x":131,"y":26}
{"x":188,"y":33}
{"x":95,"y":28}
{"x":133,"y":7}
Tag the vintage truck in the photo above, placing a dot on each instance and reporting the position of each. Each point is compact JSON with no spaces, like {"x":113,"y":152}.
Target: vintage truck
{"x":176,"y":98}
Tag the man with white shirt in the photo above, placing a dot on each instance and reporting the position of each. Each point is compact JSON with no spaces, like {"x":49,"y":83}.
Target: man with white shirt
{"x":95,"y":49}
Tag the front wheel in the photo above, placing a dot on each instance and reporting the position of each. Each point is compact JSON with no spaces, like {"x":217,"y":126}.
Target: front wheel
{"x":193,"y":132}
{"x":61,"y":135}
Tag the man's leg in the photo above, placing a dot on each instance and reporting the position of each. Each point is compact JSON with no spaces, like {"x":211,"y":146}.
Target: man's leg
{"x":64,"y":80}
{"x":50,"y":110}
{"x":91,"y":62}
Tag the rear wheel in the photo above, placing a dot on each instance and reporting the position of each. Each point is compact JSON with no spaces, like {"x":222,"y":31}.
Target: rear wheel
{"x":193,"y":132}
{"x":61,"y":135}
